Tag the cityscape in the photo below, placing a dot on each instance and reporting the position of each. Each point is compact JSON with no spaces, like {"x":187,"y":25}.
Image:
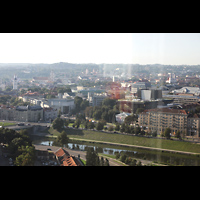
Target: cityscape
{"x":87,"y":114}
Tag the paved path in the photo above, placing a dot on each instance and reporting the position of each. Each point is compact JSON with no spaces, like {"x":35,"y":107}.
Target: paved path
{"x":75,"y":153}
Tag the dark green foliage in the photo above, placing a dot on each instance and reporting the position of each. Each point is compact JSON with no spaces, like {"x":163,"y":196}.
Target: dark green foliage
{"x":99,"y":126}
{"x":58,"y":124}
{"x":19,"y":145}
{"x":92,"y":158}
{"x":167,"y":133}
{"x":62,"y":138}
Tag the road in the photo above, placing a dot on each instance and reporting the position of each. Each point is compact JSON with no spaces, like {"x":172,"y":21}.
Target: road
{"x":75,"y":153}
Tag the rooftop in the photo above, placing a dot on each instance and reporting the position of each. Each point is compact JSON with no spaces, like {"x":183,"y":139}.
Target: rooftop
{"x":65,"y":159}
{"x":167,"y":110}
{"x":24,"y":108}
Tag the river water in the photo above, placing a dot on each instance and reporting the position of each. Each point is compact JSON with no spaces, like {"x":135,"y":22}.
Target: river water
{"x":154,"y":156}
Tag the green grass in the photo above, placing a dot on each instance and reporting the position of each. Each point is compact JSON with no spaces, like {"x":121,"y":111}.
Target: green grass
{"x":133,"y":140}
{"x":84,"y":162}
{"x":6,"y":124}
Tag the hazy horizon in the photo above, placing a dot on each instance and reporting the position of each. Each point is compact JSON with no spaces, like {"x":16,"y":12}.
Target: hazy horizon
{"x":100,"y":48}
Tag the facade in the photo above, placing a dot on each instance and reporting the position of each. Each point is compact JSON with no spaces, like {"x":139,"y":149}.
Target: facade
{"x":28,"y":113}
{"x":21,"y":113}
{"x":7,"y":112}
{"x":65,"y":105}
{"x":140,"y":85}
{"x":50,"y":114}
{"x":148,"y":95}
{"x":186,"y":98}
{"x":96,"y":99}
{"x":131,"y":106}
{"x":194,"y":126}
{"x":157,"y":120}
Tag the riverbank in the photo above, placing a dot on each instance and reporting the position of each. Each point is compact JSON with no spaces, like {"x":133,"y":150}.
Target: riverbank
{"x":131,"y":141}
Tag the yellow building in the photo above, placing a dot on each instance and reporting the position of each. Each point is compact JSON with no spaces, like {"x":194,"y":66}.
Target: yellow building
{"x":157,"y":120}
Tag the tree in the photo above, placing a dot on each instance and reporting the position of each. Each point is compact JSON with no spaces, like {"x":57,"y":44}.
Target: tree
{"x":97,"y":114}
{"x":91,"y":157}
{"x":62,"y":138}
{"x":154,"y":134}
{"x":110,"y":128}
{"x":123,"y":157}
{"x":77,"y":123}
{"x":178,"y":134}
{"x":99,"y":126}
{"x":102,"y":161}
{"x":122,"y":129}
{"x":139,"y":110}
{"x":129,"y":119}
{"x":91,"y":125}
{"x":77,"y":102}
{"x":133,"y":162}
{"x":137,"y":130}
{"x":26,"y":157}
{"x":117,"y":127}
{"x":167,"y":133}
{"x":58,"y":124}
{"x":109,"y":102}
{"x":59,"y":113}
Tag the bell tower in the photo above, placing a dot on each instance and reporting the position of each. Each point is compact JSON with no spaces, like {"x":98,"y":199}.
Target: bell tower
{"x":15,"y":82}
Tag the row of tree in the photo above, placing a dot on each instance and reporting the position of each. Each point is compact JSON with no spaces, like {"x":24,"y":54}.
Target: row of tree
{"x":127,"y":159}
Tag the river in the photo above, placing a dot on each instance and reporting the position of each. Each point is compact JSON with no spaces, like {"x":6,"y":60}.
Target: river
{"x":151,"y":155}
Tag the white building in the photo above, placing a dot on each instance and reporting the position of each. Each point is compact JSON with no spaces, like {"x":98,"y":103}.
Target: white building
{"x":65,"y":105}
{"x":121,"y":117}
{"x":188,"y":90}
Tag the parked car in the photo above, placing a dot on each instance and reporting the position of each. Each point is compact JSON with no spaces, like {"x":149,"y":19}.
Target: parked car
{"x":20,"y":124}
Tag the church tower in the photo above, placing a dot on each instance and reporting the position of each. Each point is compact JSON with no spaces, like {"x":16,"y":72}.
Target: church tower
{"x":15,"y":82}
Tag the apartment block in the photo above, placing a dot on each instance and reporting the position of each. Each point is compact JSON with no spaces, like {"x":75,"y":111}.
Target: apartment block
{"x":157,"y":120}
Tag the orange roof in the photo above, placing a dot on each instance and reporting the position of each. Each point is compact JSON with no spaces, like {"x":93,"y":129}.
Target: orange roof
{"x":65,"y":158}
{"x":69,"y":161}
{"x":60,"y":152}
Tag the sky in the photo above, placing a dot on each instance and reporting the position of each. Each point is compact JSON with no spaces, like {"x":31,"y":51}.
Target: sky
{"x":109,"y":48}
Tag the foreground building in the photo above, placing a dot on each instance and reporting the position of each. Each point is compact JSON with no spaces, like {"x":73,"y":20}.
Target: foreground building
{"x":64,"y":159}
{"x":157,"y":120}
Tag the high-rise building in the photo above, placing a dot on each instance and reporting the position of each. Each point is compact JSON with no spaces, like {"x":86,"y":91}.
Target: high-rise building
{"x":15,"y":82}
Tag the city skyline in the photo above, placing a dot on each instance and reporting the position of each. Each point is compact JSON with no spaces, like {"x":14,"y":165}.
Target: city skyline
{"x":99,"y":48}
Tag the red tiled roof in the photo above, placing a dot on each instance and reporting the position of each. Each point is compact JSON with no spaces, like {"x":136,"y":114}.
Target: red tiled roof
{"x":69,"y":161}
{"x":65,"y":158}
